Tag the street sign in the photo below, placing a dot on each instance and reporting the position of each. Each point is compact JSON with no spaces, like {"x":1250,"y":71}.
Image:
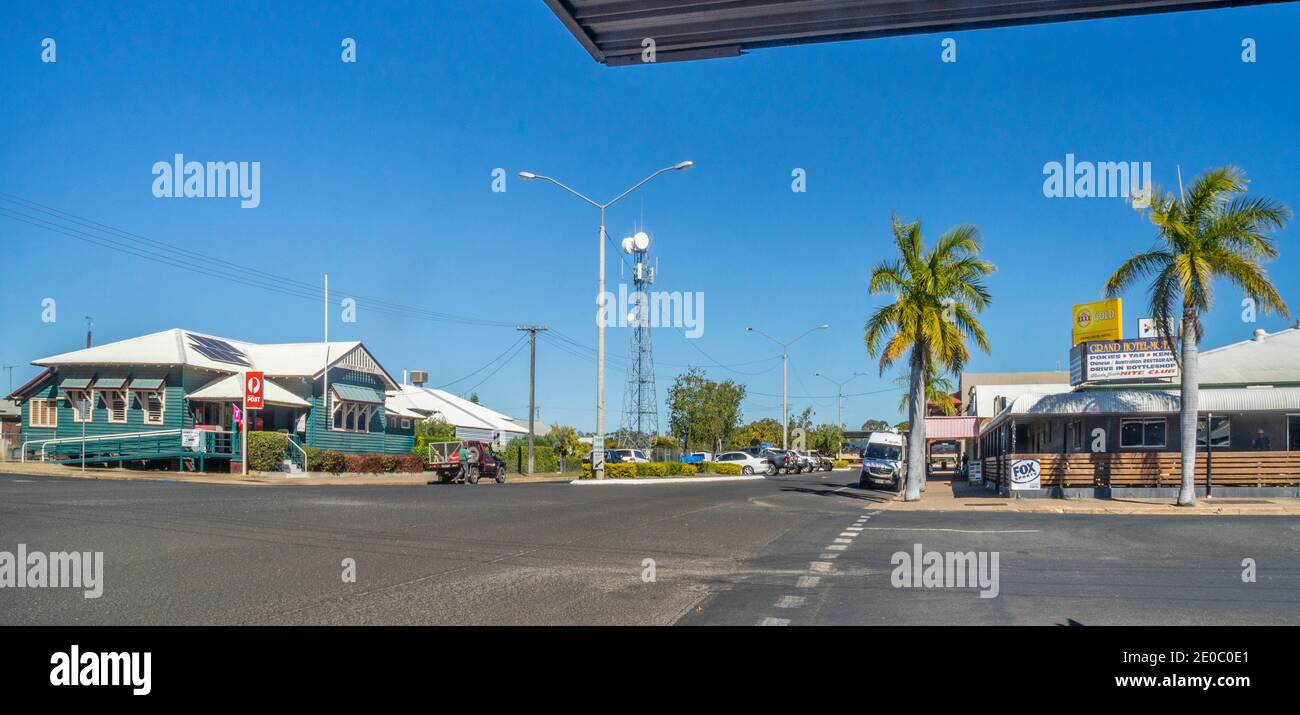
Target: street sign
{"x":975,"y":472}
{"x":1122,"y":360}
{"x":254,"y":387}
{"x":1026,"y":474}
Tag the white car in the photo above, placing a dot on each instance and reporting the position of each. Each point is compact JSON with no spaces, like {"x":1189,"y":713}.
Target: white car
{"x":749,"y":464}
{"x":630,"y":455}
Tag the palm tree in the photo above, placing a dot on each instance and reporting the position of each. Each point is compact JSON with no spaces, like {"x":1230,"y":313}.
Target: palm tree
{"x":937,"y":295}
{"x":1213,"y":231}
{"x":938,"y":392}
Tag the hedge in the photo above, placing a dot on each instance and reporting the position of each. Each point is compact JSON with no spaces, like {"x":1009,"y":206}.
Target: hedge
{"x":646,"y":470}
{"x":332,"y":461}
{"x":266,"y":450}
{"x":315,"y":459}
{"x":726,"y":468}
{"x":544,"y":459}
{"x":841,"y":464}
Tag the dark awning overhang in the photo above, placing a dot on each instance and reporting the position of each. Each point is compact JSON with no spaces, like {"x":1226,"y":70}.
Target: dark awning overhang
{"x":612,"y":31}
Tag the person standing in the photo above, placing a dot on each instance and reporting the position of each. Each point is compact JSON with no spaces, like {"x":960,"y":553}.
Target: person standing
{"x":463,"y":455}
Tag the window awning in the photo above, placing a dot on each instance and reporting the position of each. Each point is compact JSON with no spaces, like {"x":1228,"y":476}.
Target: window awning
{"x":74,"y":383}
{"x":150,"y":383}
{"x":110,"y":383}
{"x":356,"y":393}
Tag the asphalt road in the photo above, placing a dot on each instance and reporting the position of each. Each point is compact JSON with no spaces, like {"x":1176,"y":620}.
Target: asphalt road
{"x":800,"y":550}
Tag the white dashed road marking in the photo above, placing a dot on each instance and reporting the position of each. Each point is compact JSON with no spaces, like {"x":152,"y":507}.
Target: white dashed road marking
{"x":774,"y":622}
{"x":957,"y":531}
{"x":837,"y":547}
{"x":791,"y":602}
{"x":820,"y":567}
{"x":808,"y":581}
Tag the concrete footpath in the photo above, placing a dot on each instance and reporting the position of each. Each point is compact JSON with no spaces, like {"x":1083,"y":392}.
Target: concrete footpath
{"x":39,"y":469}
{"x":945,"y":494}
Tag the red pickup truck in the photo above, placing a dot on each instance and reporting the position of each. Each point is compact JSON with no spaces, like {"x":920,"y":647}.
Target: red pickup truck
{"x":444,"y":458}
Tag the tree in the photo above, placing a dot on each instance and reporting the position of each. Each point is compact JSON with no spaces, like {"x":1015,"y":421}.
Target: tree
{"x":766,"y":430}
{"x":701,"y":411}
{"x":875,"y":425}
{"x":1213,"y":231}
{"x":938,"y":392}
{"x":565,"y":441}
{"x":826,"y":438}
{"x":937,"y":294}
{"x":473,"y":397}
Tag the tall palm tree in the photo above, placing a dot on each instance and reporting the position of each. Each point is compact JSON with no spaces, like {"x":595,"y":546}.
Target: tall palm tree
{"x":1212,"y":231}
{"x":937,"y":293}
{"x":938,"y":392}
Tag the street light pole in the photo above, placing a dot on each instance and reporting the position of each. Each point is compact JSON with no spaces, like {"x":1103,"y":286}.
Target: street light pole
{"x":785,"y":377}
{"x":598,"y":441}
{"x":839,"y":397}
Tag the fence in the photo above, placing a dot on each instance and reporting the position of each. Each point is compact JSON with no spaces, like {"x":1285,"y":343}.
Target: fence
{"x":1154,"y":469}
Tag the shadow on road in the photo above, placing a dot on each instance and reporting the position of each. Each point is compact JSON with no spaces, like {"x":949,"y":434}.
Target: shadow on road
{"x":837,"y":490}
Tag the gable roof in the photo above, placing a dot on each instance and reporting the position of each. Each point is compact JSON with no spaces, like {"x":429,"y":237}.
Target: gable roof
{"x":190,"y":348}
{"x":432,"y":402}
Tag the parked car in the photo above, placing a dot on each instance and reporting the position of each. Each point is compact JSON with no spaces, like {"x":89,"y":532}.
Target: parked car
{"x":749,"y":463}
{"x":780,"y":459}
{"x":627,"y":455}
{"x":444,"y":459}
{"x":819,"y":462}
{"x":612,"y":456}
{"x":884,"y":461}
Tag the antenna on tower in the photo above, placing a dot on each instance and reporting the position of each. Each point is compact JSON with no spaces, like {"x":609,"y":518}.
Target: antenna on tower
{"x":640,"y":421}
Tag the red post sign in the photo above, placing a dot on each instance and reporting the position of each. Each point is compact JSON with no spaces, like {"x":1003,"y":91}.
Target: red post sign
{"x":254,"y":387}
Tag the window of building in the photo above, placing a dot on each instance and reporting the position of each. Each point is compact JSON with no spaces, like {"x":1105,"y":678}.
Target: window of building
{"x":352,"y":416}
{"x":153,"y":405}
{"x":1074,"y":435}
{"x":1142,"y":434}
{"x":1293,"y":432}
{"x":1221,"y":433}
{"x":115,"y":401}
{"x":83,"y":405}
{"x":406,"y":423}
{"x":43,"y":413}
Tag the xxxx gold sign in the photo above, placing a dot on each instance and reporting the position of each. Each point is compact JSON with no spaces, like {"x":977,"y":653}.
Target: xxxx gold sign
{"x":1102,"y":320}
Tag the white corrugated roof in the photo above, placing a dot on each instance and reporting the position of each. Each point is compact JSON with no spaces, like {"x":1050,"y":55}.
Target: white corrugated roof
{"x":179,"y":347}
{"x":1273,"y":359}
{"x":231,"y":388}
{"x":454,"y":410}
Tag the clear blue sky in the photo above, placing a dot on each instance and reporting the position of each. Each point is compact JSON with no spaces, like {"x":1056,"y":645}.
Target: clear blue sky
{"x":379,"y":173}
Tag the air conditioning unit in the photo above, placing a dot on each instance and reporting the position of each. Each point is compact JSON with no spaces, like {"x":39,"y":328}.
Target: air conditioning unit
{"x":419,"y":377}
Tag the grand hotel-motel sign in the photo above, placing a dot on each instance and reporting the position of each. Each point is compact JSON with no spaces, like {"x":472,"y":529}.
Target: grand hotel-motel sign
{"x":618,"y":32}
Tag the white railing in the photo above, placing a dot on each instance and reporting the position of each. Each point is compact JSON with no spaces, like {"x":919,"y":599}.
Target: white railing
{"x":97,"y":438}
{"x":301,"y":450}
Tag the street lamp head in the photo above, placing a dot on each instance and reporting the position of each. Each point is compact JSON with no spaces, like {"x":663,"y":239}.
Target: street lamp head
{"x":684,"y":165}
{"x":823,"y":326}
{"x":749,"y":329}
{"x":528,"y":175}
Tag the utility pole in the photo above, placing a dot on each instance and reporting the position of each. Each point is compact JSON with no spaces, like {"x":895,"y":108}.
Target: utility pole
{"x":89,"y":322}
{"x":532,"y":385}
{"x":839,"y":398}
{"x":785,"y":377}
{"x":10,"y":369}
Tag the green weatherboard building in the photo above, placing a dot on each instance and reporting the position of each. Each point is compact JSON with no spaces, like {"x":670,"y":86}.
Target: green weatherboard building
{"x":174,"y":395}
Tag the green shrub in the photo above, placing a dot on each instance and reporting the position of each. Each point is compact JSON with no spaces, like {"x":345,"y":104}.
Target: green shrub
{"x":674,"y":468}
{"x":516,"y":455}
{"x":841,"y":464}
{"x":688,"y":470}
{"x":388,"y":462}
{"x":703,"y":468}
{"x":332,"y":461}
{"x":315,"y":459}
{"x":726,"y":468}
{"x":266,"y":450}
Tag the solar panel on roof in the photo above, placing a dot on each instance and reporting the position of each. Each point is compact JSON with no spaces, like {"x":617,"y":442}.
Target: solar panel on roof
{"x":218,"y":350}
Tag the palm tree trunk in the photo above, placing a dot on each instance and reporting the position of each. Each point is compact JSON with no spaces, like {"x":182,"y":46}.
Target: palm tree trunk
{"x":1187,"y":490}
{"x":916,"y":427}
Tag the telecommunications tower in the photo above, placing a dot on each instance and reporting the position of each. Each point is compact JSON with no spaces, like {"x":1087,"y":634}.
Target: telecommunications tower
{"x":640,"y":421}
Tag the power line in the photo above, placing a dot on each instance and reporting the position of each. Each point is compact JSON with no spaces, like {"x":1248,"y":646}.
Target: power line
{"x":139,"y":246}
{"x":498,"y":369}
{"x":484,"y":367}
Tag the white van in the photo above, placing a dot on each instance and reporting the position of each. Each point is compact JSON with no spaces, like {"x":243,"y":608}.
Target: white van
{"x":884,"y":461}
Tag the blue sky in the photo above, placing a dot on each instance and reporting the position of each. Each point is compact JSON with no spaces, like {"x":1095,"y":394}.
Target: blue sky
{"x":379,"y":173}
